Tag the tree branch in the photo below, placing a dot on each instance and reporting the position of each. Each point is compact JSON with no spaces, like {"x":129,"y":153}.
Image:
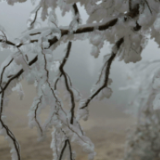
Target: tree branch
{"x":8,"y":131}
{"x":35,"y":115}
{"x":105,"y":83}
{"x":66,"y":81}
{"x":35,"y":17}
{"x":76,"y":12}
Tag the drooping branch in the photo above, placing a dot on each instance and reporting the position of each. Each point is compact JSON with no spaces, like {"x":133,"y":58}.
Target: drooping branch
{"x":35,"y":17}
{"x":8,"y":131}
{"x":47,"y":78}
{"x":1,"y":78}
{"x":67,"y":82}
{"x":107,"y":72}
{"x":11,"y":136}
{"x":35,"y":115}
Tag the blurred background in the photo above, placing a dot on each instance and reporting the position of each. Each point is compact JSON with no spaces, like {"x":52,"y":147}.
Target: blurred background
{"x":108,"y":118}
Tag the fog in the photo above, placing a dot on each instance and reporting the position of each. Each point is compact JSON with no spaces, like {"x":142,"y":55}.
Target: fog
{"x":81,"y":66}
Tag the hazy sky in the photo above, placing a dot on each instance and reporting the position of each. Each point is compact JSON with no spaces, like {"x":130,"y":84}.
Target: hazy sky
{"x":82,"y":67}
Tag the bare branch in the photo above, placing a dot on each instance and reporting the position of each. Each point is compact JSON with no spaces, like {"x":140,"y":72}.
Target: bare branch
{"x":47,"y":79}
{"x":8,"y":131}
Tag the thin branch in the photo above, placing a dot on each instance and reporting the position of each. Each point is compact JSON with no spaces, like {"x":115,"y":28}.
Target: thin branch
{"x":76,"y":12}
{"x":35,"y":17}
{"x":35,"y":115}
{"x":64,"y":147}
{"x":101,"y":72}
{"x":107,"y":72}
{"x":66,"y":81}
{"x":8,"y":131}
{"x":148,"y":6}
{"x":56,"y":82}
{"x":11,"y":136}
{"x":47,"y":79}
{"x":70,"y":149}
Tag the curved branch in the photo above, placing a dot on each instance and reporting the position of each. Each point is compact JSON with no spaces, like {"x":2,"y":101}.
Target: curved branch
{"x":17,"y":74}
{"x":8,"y":131}
{"x":107,"y":72}
{"x":66,"y":81}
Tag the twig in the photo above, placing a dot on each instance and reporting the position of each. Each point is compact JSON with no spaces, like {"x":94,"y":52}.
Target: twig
{"x":105,"y":83}
{"x":8,"y":131}
{"x":66,"y":81}
{"x":35,"y":115}
{"x":35,"y":17}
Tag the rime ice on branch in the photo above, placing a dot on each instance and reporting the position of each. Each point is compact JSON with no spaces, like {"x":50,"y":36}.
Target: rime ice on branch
{"x":123,"y":23}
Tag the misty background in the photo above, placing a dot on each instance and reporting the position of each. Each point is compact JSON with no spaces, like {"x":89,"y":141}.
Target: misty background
{"x":81,"y":66}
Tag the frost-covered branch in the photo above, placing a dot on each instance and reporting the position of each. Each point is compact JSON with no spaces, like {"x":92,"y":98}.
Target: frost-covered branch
{"x":66,"y":81}
{"x":106,"y":74}
{"x":15,"y":76}
{"x":35,"y":14}
{"x":4,"y":130}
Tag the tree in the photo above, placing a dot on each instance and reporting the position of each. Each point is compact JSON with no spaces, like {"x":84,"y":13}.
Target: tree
{"x":125,"y":24}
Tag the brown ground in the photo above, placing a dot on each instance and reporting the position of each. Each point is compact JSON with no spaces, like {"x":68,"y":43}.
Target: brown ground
{"x":106,"y":128}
